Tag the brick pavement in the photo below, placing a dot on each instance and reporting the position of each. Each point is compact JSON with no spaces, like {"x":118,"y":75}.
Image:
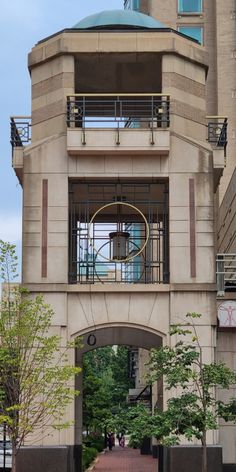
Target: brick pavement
{"x":125,"y":460}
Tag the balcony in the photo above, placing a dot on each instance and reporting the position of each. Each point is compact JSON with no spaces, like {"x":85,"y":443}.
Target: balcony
{"x":130,"y":123}
{"x":217,"y":137}
{"x":20,"y":128}
{"x":225,"y":273}
{"x":217,"y":131}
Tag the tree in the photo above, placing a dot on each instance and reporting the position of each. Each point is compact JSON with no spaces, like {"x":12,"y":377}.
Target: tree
{"x":36,"y":378}
{"x":123,"y":381}
{"x":105,"y":385}
{"x":98,"y":387}
{"x":194,"y":408}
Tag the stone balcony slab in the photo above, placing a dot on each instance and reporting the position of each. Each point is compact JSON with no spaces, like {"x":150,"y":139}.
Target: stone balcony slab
{"x":126,"y":141}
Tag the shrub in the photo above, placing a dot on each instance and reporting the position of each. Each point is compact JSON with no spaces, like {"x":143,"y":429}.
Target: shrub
{"x":134,"y":443}
{"x":94,"y":441}
{"x":89,"y":454}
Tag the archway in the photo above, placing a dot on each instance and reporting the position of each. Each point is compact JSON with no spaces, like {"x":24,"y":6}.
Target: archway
{"x":101,"y":336}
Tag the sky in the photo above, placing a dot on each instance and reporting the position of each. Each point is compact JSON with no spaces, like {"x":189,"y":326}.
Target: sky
{"x":22,"y":24}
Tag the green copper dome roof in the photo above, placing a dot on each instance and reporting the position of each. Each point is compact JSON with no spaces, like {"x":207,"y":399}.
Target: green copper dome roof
{"x":118,"y":19}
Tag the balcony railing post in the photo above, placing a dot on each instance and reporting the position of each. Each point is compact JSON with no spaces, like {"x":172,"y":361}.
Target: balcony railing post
{"x":118,"y":133}
{"x":120,"y":107}
{"x":68,"y":111}
{"x":83,"y":122}
{"x":152,"y":132}
{"x":164,"y":107}
{"x":220,"y":275}
{"x":118,"y":115}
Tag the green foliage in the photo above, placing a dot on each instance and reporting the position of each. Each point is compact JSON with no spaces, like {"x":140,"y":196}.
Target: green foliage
{"x":121,"y":375}
{"x":105,"y":386}
{"x":98,"y":386}
{"x":8,"y":262}
{"x":133,"y":443}
{"x":227,"y":411}
{"x":35,"y":373}
{"x":95,"y":441}
{"x":193,"y":408}
{"x":88,"y":456}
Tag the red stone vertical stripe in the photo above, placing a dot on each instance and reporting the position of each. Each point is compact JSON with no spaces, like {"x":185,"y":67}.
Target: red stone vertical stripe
{"x":44,"y":254}
{"x":192,"y":220}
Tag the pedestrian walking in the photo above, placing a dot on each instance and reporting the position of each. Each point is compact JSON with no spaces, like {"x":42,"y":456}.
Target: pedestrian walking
{"x":110,"y":441}
{"x":122,"y":441}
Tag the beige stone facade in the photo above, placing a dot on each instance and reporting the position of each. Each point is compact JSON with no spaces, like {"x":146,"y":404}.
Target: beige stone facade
{"x":174,"y":156}
{"x":217,"y":20}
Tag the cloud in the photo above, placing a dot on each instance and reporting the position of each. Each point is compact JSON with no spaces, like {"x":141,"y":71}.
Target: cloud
{"x":11,"y":228}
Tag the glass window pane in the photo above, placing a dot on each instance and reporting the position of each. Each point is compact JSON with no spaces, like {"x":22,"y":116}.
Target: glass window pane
{"x":194,"y":32}
{"x":136,"y":4}
{"x":188,"y":6}
{"x":132,"y":5}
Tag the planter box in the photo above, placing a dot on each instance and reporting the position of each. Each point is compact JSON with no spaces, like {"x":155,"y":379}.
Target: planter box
{"x":155,"y":451}
{"x":229,"y":467}
{"x":188,"y":458}
{"x":146,"y":446}
{"x":53,"y":459}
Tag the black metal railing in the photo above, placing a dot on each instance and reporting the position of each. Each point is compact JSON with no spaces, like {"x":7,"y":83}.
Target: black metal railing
{"x":217,"y":131}
{"x":226,"y":273}
{"x":20,"y":130}
{"x":118,"y":111}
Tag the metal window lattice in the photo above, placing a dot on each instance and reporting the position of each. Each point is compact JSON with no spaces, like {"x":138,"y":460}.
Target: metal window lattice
{"x":89,"y":246}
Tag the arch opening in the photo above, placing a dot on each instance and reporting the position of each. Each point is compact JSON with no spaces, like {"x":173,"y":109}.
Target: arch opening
{"x":136,"y":342}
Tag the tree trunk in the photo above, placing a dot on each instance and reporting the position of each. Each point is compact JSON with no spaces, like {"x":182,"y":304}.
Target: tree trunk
{"x":204,"y":453}
{"x":14,"y":452}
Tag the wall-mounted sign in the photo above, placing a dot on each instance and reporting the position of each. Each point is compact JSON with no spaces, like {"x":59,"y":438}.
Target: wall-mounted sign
{"x":227,"y":314}
{"x":91,"y":341}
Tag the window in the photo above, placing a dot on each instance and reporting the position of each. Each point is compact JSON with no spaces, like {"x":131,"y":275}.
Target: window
{"x":195,"y":32}
{"x":189,"y":6}
{"x":132,"y":5}
{"x":135,"y":5}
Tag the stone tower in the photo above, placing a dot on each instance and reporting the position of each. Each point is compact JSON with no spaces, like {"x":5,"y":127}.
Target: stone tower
{"x":118,"y":188}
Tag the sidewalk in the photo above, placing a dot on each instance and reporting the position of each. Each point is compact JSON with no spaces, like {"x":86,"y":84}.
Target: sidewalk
{"x":125,"y":460}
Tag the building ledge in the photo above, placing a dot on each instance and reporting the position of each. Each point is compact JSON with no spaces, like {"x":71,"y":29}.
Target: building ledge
{"x":125,"y":288}
{"x":132,"y":141}
{"x":219,"y":163}
{"x":17,"y":162}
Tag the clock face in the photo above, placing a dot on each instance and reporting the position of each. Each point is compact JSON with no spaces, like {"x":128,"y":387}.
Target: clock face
{"x":227,"y":314}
